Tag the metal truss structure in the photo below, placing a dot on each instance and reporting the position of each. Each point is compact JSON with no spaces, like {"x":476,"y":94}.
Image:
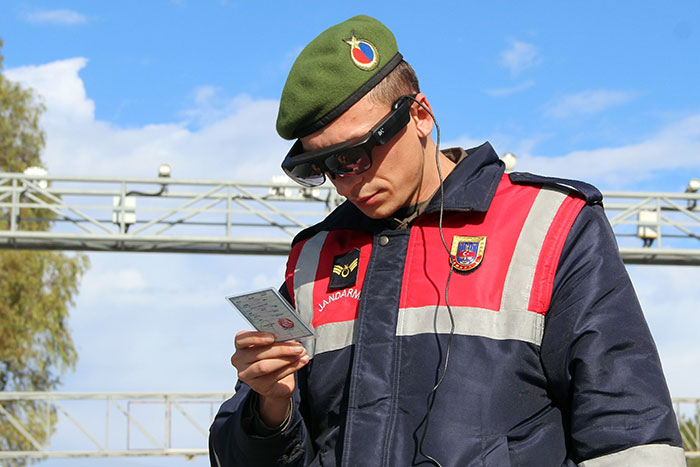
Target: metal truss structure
{"x":655,"y":228}
{"x":688,"y":415}
{"x":172,"y":424}
{"x":157,"y":215}
{"x":218,"y":216}
{"x":113,"y":424}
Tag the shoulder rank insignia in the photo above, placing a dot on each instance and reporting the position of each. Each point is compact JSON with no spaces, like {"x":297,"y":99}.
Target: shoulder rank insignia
{"x":467,"y":252}
{"x":344,"y":272}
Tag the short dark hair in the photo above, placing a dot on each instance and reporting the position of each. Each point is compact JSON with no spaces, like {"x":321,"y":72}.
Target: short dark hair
{"x":400,"y":81}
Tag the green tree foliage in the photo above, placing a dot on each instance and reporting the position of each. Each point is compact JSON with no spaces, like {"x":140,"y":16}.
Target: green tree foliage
{"x":690,"y":433}
{"x":37,"y":288}
{"x":21,"y":139}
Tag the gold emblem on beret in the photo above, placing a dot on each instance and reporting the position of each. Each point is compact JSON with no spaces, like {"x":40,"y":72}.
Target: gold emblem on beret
{"x":363,"y":53}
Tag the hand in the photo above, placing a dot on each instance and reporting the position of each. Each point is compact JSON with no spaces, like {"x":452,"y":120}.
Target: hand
{"x":268,"y":368}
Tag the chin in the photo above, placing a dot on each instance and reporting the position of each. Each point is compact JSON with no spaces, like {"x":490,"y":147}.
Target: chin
{"x":380,"y":212}
{"x":373,"y":215}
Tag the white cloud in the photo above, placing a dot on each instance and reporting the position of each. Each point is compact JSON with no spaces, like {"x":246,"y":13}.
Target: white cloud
{"x":669,"y":299}
{"x":266,"y":278}
{"x":158,"y":322}
{"x":125,"y":281}
{"x":520,"y":56}
{"x":57,"y":17}
{"x":143,"y":320}
{"x":462,"y":141}
{"x":501,"y":143}
{"x":667,"y":294}
{"x":172,"y":321}
{"x":61,"y":89}
{"x":586,"y":103}
{"x":674,"y":147}
{"x":502,"y":92}
{"x":209,"y":105}
{"x":234,"y":138}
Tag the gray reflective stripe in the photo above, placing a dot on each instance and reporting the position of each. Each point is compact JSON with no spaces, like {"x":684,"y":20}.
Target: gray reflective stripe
{"x":332,"y":336}
{"x":521,"y":272}
{"x":304,"y":277}
{"x":523,"y":326}
{"x":512,"y":320}
{"x":216,"y":457}
{"x":649,"y":455}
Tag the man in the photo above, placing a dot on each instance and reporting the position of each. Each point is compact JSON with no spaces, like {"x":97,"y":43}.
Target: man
{"x":464,"y":316}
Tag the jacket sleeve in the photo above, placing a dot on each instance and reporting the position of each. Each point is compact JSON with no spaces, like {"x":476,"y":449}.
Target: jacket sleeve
{"x":232,"y":442}
{"x":601,"y":362}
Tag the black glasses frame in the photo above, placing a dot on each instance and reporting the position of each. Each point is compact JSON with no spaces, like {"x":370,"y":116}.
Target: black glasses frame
{"x":346,"y":158}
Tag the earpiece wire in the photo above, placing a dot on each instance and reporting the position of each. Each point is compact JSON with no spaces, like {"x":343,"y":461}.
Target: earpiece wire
{"x":433,"y":392}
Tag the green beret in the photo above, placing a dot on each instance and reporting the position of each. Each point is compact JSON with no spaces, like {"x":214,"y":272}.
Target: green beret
{"x":333,"y":72}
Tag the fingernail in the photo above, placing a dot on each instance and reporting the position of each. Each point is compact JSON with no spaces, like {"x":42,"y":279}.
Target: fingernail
{"x":269,"y":337}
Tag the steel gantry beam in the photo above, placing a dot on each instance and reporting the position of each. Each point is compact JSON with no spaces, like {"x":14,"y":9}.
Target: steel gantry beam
{"x":219,"y":216}
{"x":655,"y":228}
{"x":223,"y":216}
{"x":110,"y":424}
{"x":157,"y":215}
{"x":138,"y":424}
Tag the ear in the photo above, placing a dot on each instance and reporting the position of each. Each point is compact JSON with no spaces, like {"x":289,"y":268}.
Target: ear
{"x":421,"y":118}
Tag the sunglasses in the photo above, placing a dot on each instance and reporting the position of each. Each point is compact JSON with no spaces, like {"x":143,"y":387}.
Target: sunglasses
{"x":351,"y":157}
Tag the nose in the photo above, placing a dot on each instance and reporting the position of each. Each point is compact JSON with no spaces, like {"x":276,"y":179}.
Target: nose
{"x":347,"y":185}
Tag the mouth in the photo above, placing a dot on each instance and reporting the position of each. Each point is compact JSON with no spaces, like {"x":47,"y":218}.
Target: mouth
{"x":367,"y":200}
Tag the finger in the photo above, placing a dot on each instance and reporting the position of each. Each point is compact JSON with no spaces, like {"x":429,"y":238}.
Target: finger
{"x":293,"y":368}
{"x":252,"y":338}
{"x":276,"y":350}
{"x":250,"y":355}
{"x":270,"y":383}
{"x":269,"y":367}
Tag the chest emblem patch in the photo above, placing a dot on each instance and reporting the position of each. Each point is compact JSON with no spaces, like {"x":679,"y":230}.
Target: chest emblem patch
{"x":344,"y":272}
{"x":467,"y":252}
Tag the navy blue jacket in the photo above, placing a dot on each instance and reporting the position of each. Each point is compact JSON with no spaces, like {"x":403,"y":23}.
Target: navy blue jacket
{"x":552,"y":366}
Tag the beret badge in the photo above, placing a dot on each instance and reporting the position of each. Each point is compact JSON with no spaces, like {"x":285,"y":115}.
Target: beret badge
{"x":363,"y":53}
{"x":335,"y":70}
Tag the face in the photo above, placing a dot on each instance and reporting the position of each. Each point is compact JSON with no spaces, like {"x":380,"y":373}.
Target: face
{"x":395,"y":179}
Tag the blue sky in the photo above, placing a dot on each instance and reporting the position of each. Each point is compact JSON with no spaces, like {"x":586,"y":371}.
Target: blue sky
{"x":601,"y":91}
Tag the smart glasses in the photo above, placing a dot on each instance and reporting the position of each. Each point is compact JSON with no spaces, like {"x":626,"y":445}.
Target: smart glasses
{"x":351,"y":157}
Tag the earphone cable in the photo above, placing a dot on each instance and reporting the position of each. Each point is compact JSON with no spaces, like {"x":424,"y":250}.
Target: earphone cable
{"x":431,"y":395}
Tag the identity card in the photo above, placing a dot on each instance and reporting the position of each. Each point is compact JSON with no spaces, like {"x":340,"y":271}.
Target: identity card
{"x":268,"y":311}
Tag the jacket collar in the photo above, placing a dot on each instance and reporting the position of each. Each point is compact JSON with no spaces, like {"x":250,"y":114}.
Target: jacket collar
{"x":469,"y":187}
{"x":472,"y":183}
